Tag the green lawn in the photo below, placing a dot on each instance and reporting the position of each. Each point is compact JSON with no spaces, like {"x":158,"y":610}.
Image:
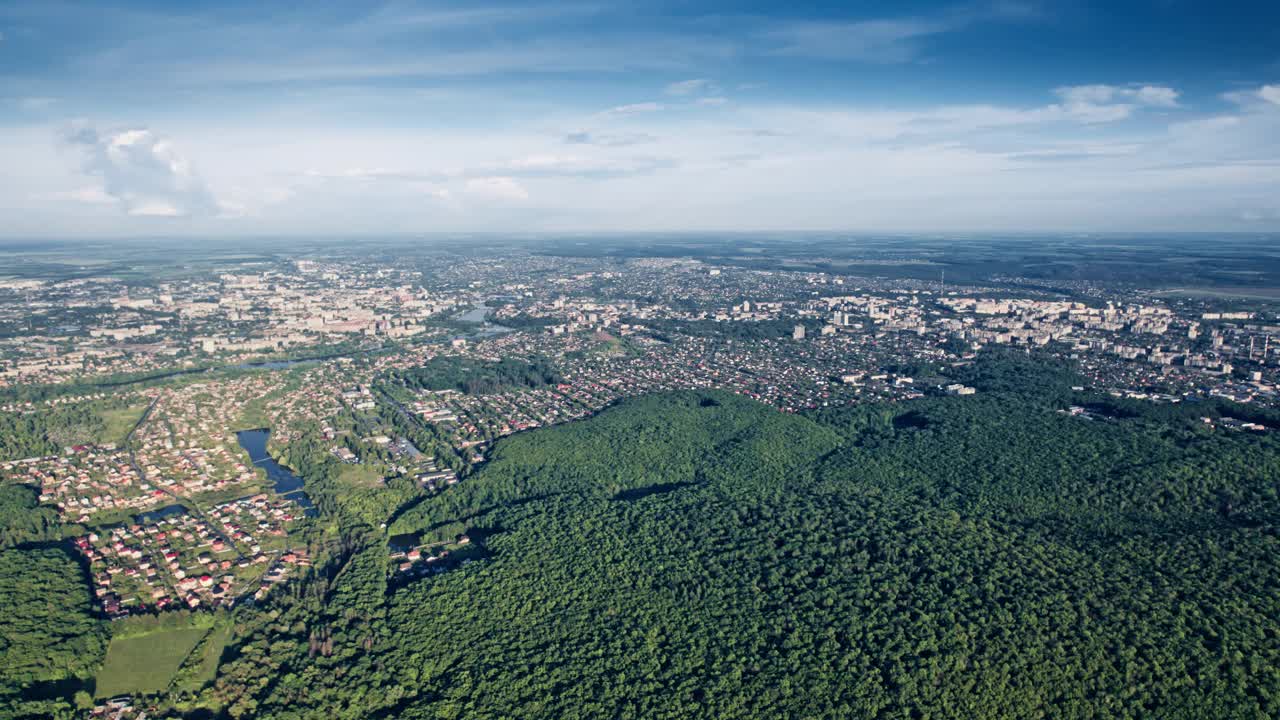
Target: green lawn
{"x":119,"y":422}
{"x":360,"y":475}
{"x":209,"y":655}
{"x":146,"y":663}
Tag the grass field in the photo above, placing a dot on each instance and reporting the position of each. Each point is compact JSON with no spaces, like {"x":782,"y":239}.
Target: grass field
{"x":146,"y":663}
{"x":120,"y":422}
{"x":360,"y":476}
{"x":210,"y":654}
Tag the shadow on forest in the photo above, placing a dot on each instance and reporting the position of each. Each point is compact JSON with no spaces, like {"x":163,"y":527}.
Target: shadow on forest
{"x":644,"y":492}
{"x":911,"y":421}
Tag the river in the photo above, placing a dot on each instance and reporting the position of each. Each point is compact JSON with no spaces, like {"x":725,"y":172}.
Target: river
{"x":285,"y":482}
{"x":281,"y":364}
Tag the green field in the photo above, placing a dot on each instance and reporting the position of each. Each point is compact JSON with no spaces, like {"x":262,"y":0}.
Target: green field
{"x":146,"y":663}
{"x":205,"y":658}
{"x":360,"y":476}
{"x":117,"y":423}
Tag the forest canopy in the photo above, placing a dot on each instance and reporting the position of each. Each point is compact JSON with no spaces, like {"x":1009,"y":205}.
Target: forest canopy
{"x":23,"y":519}
{"x":477,"y":377}
{"x":49,"y":636}
{"x":701,"y":555}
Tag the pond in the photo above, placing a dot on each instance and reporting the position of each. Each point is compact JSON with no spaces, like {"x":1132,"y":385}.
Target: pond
{"x":476,"y":315}
{"x":154,"y":516}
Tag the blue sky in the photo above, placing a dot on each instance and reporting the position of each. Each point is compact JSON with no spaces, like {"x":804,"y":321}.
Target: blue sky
{"x":226,"y":118}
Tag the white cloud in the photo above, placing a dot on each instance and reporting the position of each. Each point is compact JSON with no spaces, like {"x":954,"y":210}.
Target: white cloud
{"x":713,"y":101}
{"x":544,"y":162}
{"x":1066,"y":152}
{"x":497,"y":188}
{"x":1094,"y":113}
{"x":687,"y":87}
{"x":634,"y":109}
{"x":1157,"y":96}
{"x":536,"y":165}
{"x":1086,"y":94}
{"x":1109,"y":103}
{"x":587,"y":137}
{"x":1260,"y":99}
{"x":1088,"y":104}
{"x":905,"y":167}
{"x":143,"y":172}
{"x":157,"y":208}
{"x":572,"y":166}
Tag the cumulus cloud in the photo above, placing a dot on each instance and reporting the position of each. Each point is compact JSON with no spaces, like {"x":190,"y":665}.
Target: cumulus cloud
{"x":1157,"y":96}
{"x":1109,"y":103}
{"x":143,"y":172}
{"x":1255,"y":99}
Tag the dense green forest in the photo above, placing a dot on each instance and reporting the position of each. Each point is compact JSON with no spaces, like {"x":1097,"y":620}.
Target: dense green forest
{"x":50,"y":641}
{"x":23,"y":519}
{"x":476,"y":376}
{"x":700,"y":555}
